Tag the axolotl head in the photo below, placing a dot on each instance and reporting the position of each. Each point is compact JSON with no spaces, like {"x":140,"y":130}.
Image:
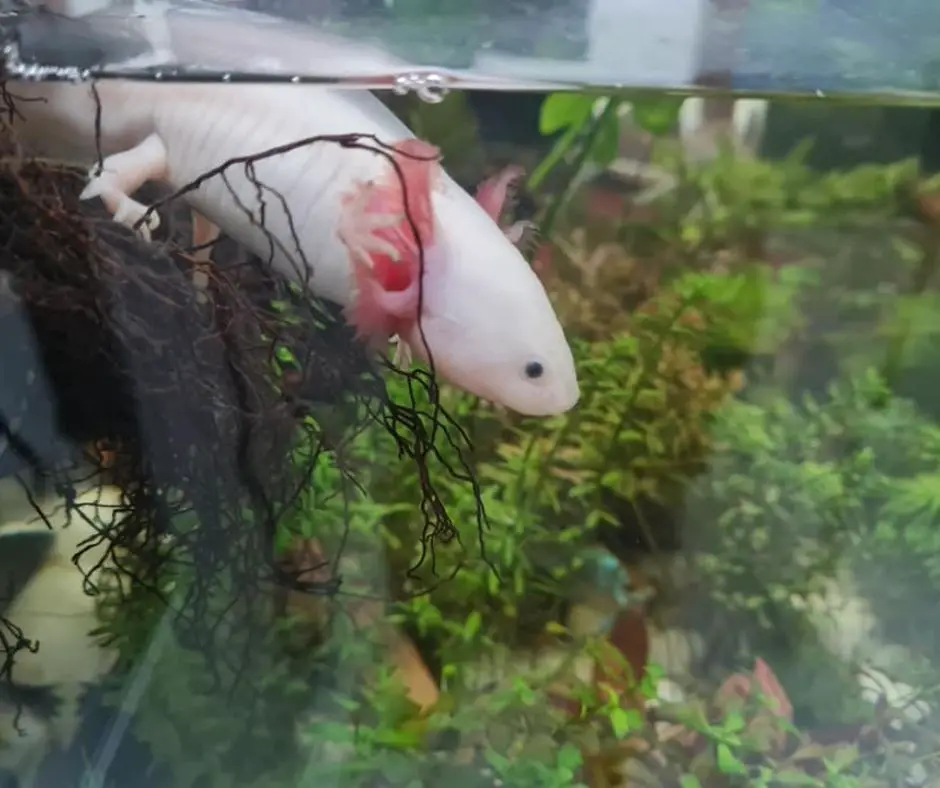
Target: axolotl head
{"x":486,"y":317}
{"x":464,"y":299}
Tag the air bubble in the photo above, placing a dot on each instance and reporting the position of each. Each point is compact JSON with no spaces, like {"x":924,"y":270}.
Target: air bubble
{"x":430,"y":88}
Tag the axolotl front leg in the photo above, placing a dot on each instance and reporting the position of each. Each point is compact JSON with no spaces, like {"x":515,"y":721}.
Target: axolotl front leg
{"x":121,"y":174}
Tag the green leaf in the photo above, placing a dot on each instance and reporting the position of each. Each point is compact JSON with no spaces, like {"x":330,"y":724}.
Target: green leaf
{"x":284,"y":354}
{"x":472,"y":625}
{"x":734,"y":722}
{"x":569,"y":757}
{"x":492,"y":583}
{"x":657,"y":116}
{"x":728,"y":762}
{"x":561,"y":110}
{"x":401,"y":738}
{"x":524,"y":693}
{"x":843,"y":758}
{"x":620,"y":722}
{"x":347,"y":704}
{"x":690,"y":781}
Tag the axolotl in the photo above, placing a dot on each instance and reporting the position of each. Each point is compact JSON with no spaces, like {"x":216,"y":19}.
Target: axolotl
{"x":331,"y":216}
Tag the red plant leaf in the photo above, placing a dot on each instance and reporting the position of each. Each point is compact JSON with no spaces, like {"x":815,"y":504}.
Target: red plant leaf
{"x":771,"y":687}
{"x":630,"y":637}
{"x":736,"y":687}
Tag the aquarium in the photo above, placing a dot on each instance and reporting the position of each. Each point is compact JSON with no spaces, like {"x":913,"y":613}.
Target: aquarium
{"x":527,"y":394}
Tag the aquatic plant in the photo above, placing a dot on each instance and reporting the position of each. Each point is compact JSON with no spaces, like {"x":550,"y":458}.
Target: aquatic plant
{"x":768,"y":493}
{"x":547,"y":486}
{"x":742,"y":735}
{"x":725,"y":269}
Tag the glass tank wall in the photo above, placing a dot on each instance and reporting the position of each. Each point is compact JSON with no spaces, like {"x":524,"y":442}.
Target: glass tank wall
{"x":809,"y":47}
{"x":496,"y":436}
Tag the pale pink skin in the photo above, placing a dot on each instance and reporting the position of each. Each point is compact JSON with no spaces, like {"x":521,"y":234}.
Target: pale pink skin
{"x":486,"y":315}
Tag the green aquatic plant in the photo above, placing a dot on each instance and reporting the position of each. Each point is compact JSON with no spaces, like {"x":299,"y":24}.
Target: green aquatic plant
{"x":590,"y":129}
{"x":639,"y":433}
{"x":778,"y":485}
{"x":742,"y":734}
{"x":508,"y":733}
{"x":898,"y":554}
{"x":840,"y":484}
{"x":823,"y":251}
{"x":548,"y":485}
{"x":769,"y":493}
{"x":592,"y":125}
{"x":844,"y":473}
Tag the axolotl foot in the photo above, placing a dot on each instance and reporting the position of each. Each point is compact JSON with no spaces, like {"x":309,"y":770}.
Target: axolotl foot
{"x":122,"y":174}
{"x":125,"y":210}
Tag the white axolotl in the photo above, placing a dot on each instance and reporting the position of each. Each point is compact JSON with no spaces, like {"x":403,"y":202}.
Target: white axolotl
{"x":336,"y":215}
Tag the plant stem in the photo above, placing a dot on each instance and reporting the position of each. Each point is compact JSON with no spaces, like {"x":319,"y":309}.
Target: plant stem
{"x":592,"y":128}
{"x":555,"y":155}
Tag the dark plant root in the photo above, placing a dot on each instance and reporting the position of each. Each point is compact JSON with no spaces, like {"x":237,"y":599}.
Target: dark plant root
{"x":168,"y":387}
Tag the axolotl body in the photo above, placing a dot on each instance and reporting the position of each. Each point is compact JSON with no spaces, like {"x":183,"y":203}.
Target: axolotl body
{"x":328,"y":215}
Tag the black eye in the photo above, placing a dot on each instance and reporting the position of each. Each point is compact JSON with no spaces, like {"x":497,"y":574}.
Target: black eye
{"x":534,"y":370}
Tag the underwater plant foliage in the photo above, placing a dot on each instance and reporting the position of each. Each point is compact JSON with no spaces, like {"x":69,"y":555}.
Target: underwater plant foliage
{"x":752,"y":347}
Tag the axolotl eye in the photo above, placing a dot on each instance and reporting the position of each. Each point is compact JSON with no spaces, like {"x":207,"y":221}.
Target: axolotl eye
{"x":534,"y":370}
